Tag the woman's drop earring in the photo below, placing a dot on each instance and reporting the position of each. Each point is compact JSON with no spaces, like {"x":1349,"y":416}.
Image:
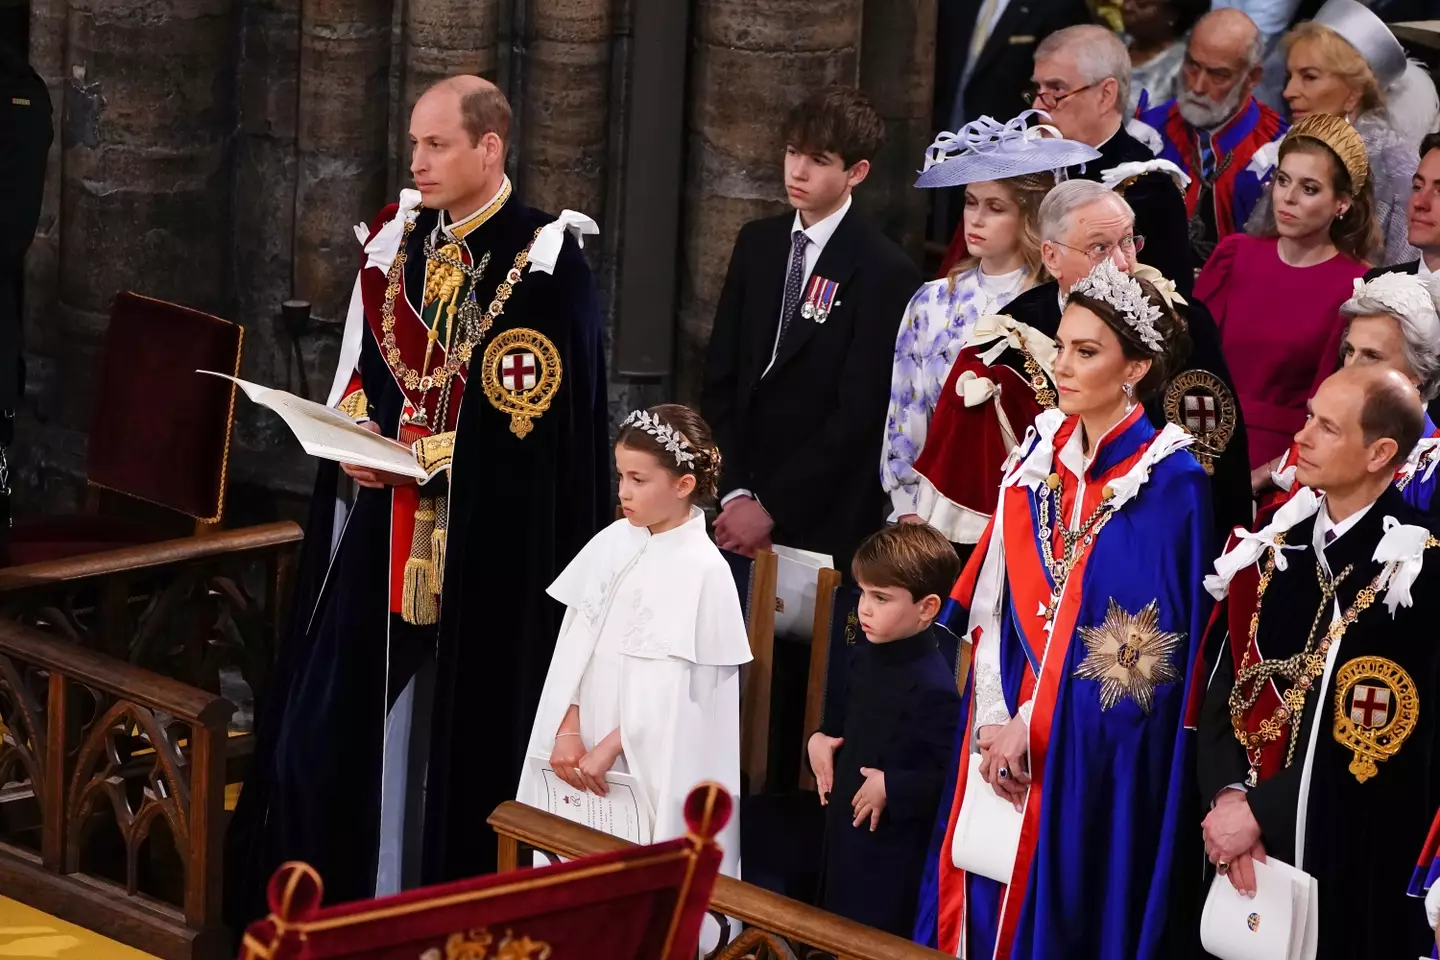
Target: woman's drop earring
{"x":1129,"y":390}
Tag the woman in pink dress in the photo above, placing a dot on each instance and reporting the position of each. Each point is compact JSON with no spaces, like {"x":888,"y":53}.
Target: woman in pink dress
{"x":1276,"y":298}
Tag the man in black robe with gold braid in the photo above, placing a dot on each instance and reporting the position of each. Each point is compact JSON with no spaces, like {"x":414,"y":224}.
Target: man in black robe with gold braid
{"x":421,"y":630}
{"x":1318,"y":731}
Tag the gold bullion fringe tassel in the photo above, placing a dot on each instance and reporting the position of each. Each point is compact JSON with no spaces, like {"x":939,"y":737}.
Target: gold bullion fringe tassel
{"x":437,"y":545}
{"x":419,"y":603}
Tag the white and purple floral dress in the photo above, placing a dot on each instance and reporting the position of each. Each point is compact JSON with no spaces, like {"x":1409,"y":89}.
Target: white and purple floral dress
{"x":936,"y":321}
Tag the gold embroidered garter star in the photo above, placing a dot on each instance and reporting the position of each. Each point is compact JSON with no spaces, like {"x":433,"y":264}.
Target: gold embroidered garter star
{"x":1130,"y":655}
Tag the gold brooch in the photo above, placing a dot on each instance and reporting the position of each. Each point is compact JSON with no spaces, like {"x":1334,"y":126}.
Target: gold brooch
{"x":1376,"y":708}
{"x":1130,"y":655}
{"x":1199,"y":401}
{"x":521,"y":374}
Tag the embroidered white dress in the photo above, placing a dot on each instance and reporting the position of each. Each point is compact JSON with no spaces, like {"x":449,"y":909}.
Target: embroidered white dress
{"x":930,"y":337}
{"x":652,"y":643}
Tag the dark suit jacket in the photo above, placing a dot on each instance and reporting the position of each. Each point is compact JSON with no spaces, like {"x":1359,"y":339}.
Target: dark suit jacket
{"x":806,"y":437}
{"x":1159,"y":207}
{"x":1231,"y":499}
{"x":1411,"y":267}
{"x":898,"y":714}
{"x":25,"y":134}
{"x":1006,"y":62}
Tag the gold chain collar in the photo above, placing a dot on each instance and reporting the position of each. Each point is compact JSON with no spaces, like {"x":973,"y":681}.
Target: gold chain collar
{"x":1301,"y":669}
{"x":412,"y":379}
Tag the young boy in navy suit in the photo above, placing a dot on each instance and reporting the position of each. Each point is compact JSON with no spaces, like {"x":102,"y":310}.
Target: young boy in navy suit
{"x":881,"y":754}
{"x":797,"y":375}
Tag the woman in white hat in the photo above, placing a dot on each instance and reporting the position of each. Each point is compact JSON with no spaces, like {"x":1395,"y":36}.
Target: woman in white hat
{"x":1005,"y":172}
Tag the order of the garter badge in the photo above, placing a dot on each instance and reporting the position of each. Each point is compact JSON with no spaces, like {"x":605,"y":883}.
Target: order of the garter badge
{"x":1129,"y":655}
{"x":1376,"y":708}
{"x":521,"y":374}
{"x":1199,"y":401}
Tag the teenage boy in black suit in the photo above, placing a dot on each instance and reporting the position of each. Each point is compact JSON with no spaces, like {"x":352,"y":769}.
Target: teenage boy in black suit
{"x":797,"y":378}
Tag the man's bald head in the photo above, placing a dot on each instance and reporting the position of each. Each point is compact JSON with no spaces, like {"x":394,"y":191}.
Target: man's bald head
{"x":1392,"y":407}
{"x":1233,"y":32}
{"x":1364,"y":421}
{"x":458,"y":131}
{"x":1222,"y":66}
{"x":483,"y":107}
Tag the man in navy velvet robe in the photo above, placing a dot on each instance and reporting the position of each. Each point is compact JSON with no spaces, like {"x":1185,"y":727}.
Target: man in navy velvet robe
{"x":408,"y":683}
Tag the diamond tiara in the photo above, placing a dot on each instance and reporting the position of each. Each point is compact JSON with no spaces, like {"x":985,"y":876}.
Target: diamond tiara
{"x":671,"y":439}
{"x":1108,"y":283}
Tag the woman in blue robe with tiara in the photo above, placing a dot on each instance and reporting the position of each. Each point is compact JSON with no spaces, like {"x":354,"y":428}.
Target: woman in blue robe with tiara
{"x":1085,"y":604}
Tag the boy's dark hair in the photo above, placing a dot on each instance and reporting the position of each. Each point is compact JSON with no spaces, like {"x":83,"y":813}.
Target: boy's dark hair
{"x":836,"y":120}
{"x":1431,"y":142}
{"x":915,"y":556}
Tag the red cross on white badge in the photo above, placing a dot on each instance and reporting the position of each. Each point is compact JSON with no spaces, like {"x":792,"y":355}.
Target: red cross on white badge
{"x":1200,"y":413}
{"x":1369,"y":706}
{"x":517,"y":372}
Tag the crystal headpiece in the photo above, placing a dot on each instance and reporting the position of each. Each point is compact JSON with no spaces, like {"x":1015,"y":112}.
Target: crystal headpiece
{"x":671,"y":439}
{"x":1109,"y":284}
{"x":986,"y":149}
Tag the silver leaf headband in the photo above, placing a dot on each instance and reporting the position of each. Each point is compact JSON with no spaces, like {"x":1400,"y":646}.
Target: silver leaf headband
{"x":1109,"y":284}
{"x":671,"y":439}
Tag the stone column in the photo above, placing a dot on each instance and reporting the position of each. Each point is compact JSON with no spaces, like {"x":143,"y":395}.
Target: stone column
{"x":145,"y":192}
{"x":562,"y":142}
{"x":441,"y":38}
{"x":897,"y":72}
{"x":341,"y":142}
{"x":42,"y":266}
{"x":265,"y":178}
{"x":754,"y":60}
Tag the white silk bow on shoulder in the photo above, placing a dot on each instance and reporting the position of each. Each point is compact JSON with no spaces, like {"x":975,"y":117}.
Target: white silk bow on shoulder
{"x":1251,"y":546}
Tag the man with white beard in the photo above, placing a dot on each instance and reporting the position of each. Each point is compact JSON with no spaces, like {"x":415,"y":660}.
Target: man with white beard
{"x":1215,"y":126}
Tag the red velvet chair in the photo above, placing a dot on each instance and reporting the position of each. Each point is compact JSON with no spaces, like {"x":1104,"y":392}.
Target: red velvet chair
{"x":159,"y":434}
{"x":642,"y":903}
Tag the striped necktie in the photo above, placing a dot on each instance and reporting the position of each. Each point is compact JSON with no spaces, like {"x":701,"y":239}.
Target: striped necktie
{"x":1207,"y":157}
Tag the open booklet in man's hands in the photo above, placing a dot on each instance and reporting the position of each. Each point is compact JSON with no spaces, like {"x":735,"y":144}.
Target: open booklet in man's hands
{"x":329,"y":434}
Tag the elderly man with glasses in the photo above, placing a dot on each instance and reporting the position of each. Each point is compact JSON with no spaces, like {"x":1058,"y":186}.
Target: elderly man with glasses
{"x":1083,"y":223}
{"x":1082,"y":80}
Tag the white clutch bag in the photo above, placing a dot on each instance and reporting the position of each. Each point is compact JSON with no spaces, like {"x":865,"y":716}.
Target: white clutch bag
{"x":1281,"y":922}
{"x":987,"y":833}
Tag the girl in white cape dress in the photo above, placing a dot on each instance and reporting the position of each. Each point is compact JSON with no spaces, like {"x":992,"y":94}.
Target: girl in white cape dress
{"x":646,"y":673}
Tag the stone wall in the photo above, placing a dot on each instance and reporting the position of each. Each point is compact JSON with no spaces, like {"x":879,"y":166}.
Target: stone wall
{"x":219,"y":152}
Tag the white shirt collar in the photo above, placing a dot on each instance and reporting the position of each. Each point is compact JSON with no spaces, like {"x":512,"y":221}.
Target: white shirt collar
{"x":1424,"y":269}
{"x":1325,"y":525}
{"x":821,"y":231}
